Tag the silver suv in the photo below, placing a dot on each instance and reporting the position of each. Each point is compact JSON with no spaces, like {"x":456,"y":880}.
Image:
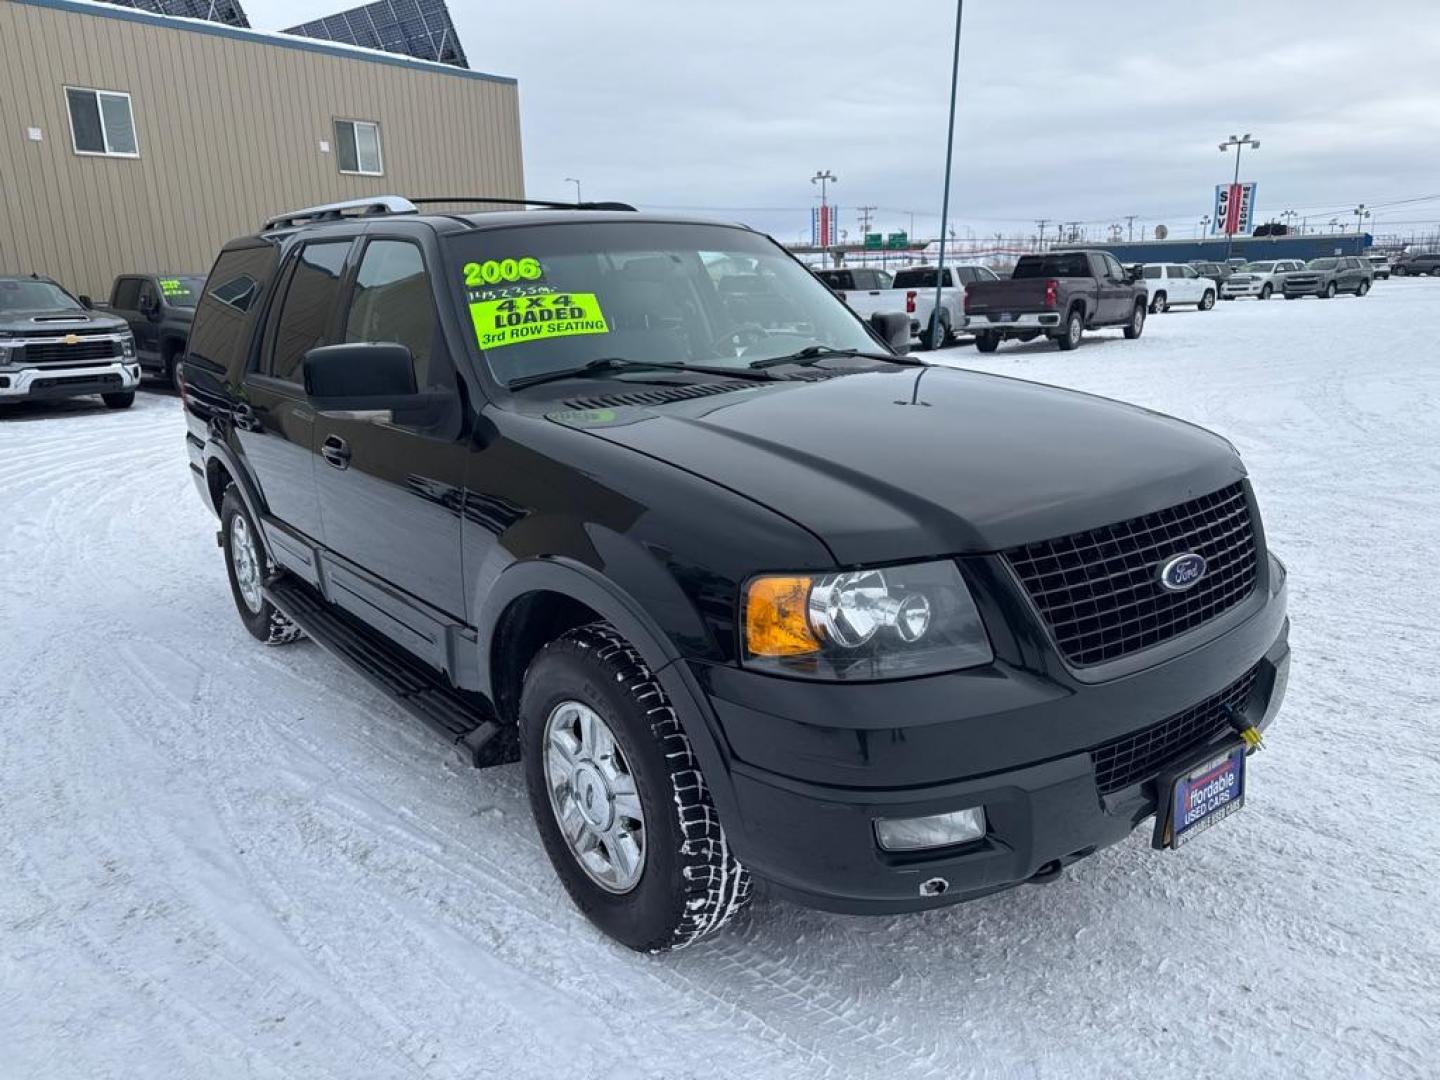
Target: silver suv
{"x":1330,"y":275}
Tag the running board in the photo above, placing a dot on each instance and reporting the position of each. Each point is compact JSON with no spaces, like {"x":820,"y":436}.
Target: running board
{"x":464,"y":719}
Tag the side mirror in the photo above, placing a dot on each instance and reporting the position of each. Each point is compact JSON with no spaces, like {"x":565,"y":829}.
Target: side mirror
{"x":361,"y":381}
{"x":85,"y":301}
{"x":893,"y":328}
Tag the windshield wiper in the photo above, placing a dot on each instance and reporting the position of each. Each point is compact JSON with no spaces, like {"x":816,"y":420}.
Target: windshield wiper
{"x":813,"y":354}
{"x":606,"y":365}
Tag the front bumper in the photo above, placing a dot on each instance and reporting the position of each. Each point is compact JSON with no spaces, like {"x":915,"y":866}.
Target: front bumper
{"x":1244,"y":288}
{"x":808,"y":781}
{"x":101,"y":377}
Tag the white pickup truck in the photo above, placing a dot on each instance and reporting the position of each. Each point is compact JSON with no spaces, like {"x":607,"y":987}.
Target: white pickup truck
{"x":914,"y":293}
{"x":862,"y":287}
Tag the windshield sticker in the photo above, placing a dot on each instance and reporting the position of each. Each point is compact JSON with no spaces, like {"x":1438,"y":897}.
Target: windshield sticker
{"x":493,"y":272}
{"x":518,"y":319}
{"x":173,"y":287}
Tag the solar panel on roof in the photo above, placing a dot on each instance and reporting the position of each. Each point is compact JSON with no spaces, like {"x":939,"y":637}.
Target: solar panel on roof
{"x":419,"y":28}
{"x":228,"y":12}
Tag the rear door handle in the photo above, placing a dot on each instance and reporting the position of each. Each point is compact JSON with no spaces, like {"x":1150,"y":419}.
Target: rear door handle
{"x":336,"y":451}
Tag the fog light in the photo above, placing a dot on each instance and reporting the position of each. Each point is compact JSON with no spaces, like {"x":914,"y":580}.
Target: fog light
{"x":937,"y":830}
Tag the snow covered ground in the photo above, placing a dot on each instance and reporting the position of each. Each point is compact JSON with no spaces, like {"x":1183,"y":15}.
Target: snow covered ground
{"x":221,"y":860}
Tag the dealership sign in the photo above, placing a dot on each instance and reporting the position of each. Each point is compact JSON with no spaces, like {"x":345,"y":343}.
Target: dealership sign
{"x":1234,"y":206}
{"x":823,"y":219}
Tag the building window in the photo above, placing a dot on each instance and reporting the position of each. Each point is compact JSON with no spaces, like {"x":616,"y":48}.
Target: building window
{"x":357,"y":142}
{"x":101,"y":122}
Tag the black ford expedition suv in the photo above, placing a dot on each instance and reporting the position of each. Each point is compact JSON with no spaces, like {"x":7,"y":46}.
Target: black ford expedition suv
{"x":747,"y":592}
{"x":52,"y":346}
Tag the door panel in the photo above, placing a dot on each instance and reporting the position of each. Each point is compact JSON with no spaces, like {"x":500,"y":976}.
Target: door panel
{"x":275,"y":426}
{"x":391,"y":495}
{"x":147,"y":324}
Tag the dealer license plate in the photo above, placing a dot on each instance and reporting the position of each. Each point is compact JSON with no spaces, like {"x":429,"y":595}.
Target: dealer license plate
{"x":1007,"y":316}
{"x":1205,"y":796}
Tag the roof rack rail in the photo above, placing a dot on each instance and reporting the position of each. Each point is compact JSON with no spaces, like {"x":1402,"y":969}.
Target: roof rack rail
{"x":337,"y":211}
{"x":548,"y":204}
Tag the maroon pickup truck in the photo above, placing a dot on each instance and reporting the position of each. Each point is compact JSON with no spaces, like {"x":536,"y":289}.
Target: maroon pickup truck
{"x":1060,"y":294}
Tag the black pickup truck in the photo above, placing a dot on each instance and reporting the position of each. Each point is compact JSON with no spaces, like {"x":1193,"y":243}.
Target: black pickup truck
{"x":159,"y":309}
{"x":639,"y":501}
{"x":1059,"y":295}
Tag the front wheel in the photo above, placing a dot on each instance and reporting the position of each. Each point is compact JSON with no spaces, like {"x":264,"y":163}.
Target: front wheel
{"x":1266,"y":291}
{"x":248,"y":567}
{"x":987,"y":343}
{"x":1136,"y":326}
{"x":1330,"y":291}
{"x":1207,"y":301}
{"x":1074,"y":326}
{"x":619,"y":798}
{"x":1399,"y":271}
{"x":121,"y":400}
{"x":1362,"y":288}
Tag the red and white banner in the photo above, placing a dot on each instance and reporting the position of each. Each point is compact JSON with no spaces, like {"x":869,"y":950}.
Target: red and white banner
{"x":823,"y":231}
{"x":1234,"y":208}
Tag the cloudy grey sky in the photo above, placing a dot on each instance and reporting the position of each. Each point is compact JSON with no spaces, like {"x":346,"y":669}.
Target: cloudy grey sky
{"x":1067,"y":111}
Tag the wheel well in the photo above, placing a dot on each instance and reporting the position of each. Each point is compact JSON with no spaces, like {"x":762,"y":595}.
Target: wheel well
{"x":526,"y":626}
{"x":171,"y":347}
{"x":217,"y":479}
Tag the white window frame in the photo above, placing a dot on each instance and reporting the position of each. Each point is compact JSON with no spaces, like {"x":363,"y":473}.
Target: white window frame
{"x":355,"y":144}
{"x":104,"y":134}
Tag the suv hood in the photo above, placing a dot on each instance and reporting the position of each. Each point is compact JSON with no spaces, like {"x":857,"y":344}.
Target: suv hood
{"x":909,"y":463}
{"x":35,"y":323}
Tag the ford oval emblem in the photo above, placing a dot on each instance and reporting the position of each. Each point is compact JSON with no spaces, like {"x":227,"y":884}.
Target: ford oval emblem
{"x":1182,"y":572}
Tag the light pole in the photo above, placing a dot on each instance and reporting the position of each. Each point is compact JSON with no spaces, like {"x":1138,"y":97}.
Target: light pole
{"x":945,"y":199}
{"x":1204,"y":224}
{"x":822,"y":178}
{"x":1289,"y":216}
{"x":1239,"y":144}
{"x":572,"y":180}
{"x":1360,"y":215}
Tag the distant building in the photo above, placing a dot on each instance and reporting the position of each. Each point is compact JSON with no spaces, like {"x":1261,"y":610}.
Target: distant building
{"x":138,"y":142}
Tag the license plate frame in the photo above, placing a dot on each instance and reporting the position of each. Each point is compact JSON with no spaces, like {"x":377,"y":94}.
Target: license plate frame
{"x":1200,"y":796}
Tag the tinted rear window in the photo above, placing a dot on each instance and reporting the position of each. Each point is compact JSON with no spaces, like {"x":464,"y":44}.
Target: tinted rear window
{"x":1062,"y":264}
{"x":221,"y":334}
{"x":1152,"y":271}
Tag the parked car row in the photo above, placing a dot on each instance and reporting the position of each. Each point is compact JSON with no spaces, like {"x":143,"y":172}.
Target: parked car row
{"x":911,"y":290}
{"x":55,"y":344}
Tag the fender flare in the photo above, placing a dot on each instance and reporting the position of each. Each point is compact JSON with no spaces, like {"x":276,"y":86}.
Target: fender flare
{"x":586,"y":585}
{"x":249,"y":494}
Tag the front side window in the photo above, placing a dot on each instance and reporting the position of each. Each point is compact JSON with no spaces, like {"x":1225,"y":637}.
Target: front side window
{"x":1323,"y":264}
{"x":555,"y":297}
{"x":101,"y":122}
{"x":392,"y":303}
{"x":127,"y":294}
{"x":308,"y":307}
{"x":357,"y":145}
{"x":149,"y":298}
{"x":1152,"y":272}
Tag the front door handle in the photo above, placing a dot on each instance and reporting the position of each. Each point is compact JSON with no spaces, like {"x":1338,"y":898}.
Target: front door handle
{"x":245,"y":418}
{"x":336,"y":451}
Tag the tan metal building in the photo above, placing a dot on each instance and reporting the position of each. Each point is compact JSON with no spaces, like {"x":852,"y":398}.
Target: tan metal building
{"x":132,"y":142}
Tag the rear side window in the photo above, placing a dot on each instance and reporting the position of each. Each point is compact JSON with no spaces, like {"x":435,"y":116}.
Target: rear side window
{"x":920,"y":278}
{"x":392,"y":302}
{"x":221,"y":333}
{"x":127,"y":294}
{"x":307,"y":308}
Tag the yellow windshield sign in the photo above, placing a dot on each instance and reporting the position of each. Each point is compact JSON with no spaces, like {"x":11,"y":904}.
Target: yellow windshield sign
{"x":540,"y":317}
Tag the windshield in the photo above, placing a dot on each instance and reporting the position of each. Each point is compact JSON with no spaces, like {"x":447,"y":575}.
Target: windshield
{"x":28,"y":294}
{"x":182,"y":290}
{"x":1258,"y":268}
{"x":555,"y":297}
{"x":1322,"y":264}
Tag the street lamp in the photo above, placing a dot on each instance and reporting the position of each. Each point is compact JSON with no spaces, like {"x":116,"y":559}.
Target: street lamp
{"x":1360,"y":215}
{"x":1204,"y":225}
{"x":1239,"y":144}
{"x":572,"y":180}
{"x":823,"y":178}
{"x":1289,"y":216}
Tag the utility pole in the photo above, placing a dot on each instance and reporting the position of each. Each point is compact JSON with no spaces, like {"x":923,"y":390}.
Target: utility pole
{"x":1238,"y":144}
{"x":1040,"y":224}
{"x":1074,"y":230}
{"x":949,"y":155}
{"x":1130,"y":228}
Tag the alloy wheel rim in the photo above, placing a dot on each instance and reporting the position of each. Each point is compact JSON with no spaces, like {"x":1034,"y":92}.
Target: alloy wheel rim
{"x":245,"y":562}
{"x":1138,"y":318}
{"x":1075,"y":330}
{"x":594,"y":797}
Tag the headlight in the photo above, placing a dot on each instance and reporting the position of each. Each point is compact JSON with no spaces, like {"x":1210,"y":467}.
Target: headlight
{"x":7,"y":352}
{"x":127,"y":345}
{"x":864,"y":624}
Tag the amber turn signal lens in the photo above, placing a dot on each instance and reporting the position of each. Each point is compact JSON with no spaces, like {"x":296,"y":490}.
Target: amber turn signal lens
{"x":776,"y":623}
